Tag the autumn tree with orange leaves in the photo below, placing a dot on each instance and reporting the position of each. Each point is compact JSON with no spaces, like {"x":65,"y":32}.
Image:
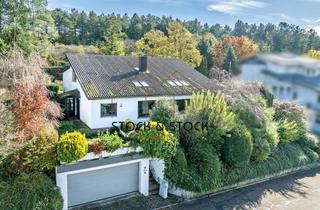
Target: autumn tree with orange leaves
{"x":243,"y":46}
{"x":33,"y":110}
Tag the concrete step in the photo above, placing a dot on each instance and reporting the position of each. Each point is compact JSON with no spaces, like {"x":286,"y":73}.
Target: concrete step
{"x":153,"y":185}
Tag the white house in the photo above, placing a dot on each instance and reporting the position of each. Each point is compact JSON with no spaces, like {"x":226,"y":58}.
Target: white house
{"x":289,"y":77}
{"x":102,"y":90}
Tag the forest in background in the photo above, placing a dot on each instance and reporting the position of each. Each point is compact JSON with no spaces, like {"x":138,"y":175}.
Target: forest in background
{"x":29,"y":26}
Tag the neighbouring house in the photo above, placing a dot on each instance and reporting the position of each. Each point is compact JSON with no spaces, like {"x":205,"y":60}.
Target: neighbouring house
{"x":100,"y":89}
{"x":289,"y":77}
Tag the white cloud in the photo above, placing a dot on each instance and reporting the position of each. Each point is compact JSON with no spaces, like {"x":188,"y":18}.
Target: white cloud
{"x":235,"y":6}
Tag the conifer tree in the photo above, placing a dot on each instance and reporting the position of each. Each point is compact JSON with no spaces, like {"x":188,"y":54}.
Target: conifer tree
{"x":230,"y":62}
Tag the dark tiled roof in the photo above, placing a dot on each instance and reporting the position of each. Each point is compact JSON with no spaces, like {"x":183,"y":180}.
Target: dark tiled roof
{"x":309,"y":82}
{"x":103,"y":76}
{"x":284,"y":59}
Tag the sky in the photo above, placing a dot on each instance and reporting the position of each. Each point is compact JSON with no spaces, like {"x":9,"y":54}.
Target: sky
{"x":305,"y":13}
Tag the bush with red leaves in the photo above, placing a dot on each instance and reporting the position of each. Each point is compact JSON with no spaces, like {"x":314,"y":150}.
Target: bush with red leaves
{"x":32,"y":110}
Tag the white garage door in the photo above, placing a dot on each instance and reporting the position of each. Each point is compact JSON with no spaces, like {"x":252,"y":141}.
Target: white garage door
{"x":103,"y":183}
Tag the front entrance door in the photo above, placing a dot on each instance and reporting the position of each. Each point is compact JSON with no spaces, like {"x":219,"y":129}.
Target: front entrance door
{"x":73,"y":108}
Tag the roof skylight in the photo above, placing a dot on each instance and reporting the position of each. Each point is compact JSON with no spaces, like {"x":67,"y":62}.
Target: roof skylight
{"x":184,"y":83}
{"x":140,"y":84}
{"x":178,"y":83}
{"x":172,"y":83}
{"x":137,"y":84}
{"x":144,"y":84}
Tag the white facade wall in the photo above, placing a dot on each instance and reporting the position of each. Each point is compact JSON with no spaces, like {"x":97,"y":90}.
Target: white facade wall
{"x":251,"y":72}
{"x":305,"y":97}
{"x":68,"y":84}
{"x":127,"y":107}
{"x":85,"y":104}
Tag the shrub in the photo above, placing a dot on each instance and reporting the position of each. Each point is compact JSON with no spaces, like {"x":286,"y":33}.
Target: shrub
{"x":310,"y":141}
{"x":288,"y":131}
{"x":164,"y":112}
{"x":72,"y":146}
{"x":44,"y":150}
{"x":156,"y":141}
{"x":293,"y":114}
{"x":54,"y":88}
{"x":209,"y":109}
{"x":312,"y":155}
{"x":202,"y":172}
{"x":220,"y":117}
{"x":111,"y":142}
{"x":246,"y":116}
{"x":33,"y":111}
{"x":261,"y":147}
{"x":7,"y":137}
{"x":96,"y":146}
{"x":128,"y":126}
{"x":272,"y":134}
{"x":69,"y":126}
{"x":237,"y":148}
{"x":30,"y":191}
{"x":66,"y":126}
{"x":176,"y":167}
{"x":286,"y":156}
{"x":204,"y":160}
{"x":37,"y":155}
{"x":290,"y":111}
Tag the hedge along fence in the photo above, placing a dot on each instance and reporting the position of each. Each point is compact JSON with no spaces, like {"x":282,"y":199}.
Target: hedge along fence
{"x":189,"y":194}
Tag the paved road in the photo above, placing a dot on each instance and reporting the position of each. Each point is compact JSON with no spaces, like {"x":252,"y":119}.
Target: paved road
{"x":299,"y":191}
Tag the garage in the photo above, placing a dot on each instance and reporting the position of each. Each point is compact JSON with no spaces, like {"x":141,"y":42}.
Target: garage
{"x":104,"y":183}
{"x":94,"y":180}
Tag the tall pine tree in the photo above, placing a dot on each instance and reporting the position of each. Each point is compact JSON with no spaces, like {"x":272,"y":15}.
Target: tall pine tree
{"x":114,"y":38}
{"x":230,"y":62}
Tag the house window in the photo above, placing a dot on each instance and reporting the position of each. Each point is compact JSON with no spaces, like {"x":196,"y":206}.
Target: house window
{"x":281,"y":90}
{"x":108,"y":110}
{"x":144,"y":107}
{"x":318,"y":118}
{"x":274,"y":89}
{"x":295,"y":95}
{"x":74,"y":76}
{"x":308,"y":105}
{"x":319,"y":99}
{"x":288,"y":89}
{"x":181,"y":104}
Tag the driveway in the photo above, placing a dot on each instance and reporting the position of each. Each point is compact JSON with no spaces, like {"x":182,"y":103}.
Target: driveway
{"x":297,"y":191}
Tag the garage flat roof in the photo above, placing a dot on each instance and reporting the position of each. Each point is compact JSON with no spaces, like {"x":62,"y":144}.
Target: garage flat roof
{"x":96,"y":163}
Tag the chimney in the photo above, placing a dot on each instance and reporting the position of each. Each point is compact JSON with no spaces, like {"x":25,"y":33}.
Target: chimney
{"x":143,"y":63}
